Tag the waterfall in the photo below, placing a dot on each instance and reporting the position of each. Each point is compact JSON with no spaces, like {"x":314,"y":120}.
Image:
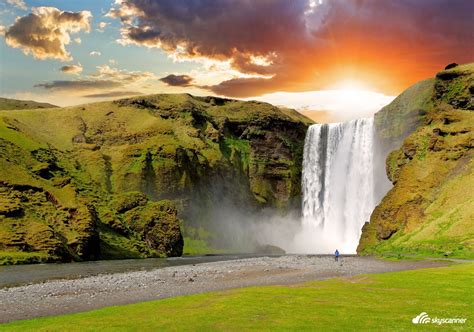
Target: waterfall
{"x":337,"y":185}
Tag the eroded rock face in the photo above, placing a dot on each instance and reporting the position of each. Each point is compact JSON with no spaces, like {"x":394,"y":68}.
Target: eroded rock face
{"x":123,"y":179}
{"x":254,"y":141}
{"x":430,"y":208}
{"x":39,"y":224}
{"x":157,"y":224}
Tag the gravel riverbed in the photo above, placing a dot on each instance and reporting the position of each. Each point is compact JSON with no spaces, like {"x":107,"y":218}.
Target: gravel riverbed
{"x":67,"y":296}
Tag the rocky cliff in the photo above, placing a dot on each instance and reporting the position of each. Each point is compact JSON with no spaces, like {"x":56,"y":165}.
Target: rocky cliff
{"x":430,"y":209}
{"x":129,"y":178}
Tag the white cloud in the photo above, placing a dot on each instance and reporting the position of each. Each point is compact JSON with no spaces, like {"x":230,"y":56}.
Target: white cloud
{"x":102,"y":26}
{"x":95,"y":53}
{"x":18,"y":3}
{"x":45,"y":32}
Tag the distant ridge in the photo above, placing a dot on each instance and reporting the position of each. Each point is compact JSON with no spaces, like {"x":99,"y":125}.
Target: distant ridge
{"x":15,"y":104}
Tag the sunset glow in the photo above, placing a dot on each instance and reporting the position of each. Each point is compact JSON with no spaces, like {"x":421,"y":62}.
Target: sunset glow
{"x":209,"y":48}
{"x":331,"y":105}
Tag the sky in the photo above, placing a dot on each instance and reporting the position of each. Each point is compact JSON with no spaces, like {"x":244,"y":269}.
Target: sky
{"x":348,"y":57}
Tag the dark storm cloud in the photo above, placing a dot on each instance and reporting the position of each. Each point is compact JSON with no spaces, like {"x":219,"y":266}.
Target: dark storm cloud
{"x":177,"y":80}
{"x":389,"y":43}
{"x":212,"y":28}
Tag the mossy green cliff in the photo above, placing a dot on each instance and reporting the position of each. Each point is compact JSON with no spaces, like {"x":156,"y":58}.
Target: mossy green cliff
{"x":125,"y":178}
{"x":430,"y":209}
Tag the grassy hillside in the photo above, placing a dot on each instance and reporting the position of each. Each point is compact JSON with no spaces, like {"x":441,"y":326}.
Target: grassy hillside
{"x":402,"y":116}
{"x":14,"y":104}
{"x":119,"y":179}
{"x":387,"y":301}
{"x":430,"y":209}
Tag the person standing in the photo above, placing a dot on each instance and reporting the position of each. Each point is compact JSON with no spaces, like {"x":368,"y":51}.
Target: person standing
{"x":336,"y":255}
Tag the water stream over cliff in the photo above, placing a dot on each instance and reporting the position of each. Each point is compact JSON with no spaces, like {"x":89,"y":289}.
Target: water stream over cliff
{"x":338,"y":185}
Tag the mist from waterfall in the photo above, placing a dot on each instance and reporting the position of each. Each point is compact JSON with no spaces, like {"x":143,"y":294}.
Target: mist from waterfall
{"x":337,"y":185}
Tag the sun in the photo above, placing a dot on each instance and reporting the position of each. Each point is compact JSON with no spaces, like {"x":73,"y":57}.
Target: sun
{"x":350,"y":85}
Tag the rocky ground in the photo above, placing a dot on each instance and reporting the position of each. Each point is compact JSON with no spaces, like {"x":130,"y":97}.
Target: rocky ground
{"x":67,"y":296}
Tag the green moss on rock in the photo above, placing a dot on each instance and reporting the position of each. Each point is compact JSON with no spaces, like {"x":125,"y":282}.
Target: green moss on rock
{"x":158,"y":226}
{"x":430,"y":209}
{"x":97,"y":180}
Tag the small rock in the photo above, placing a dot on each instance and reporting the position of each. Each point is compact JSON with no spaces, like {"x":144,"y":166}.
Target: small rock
{"x":451,"y":65}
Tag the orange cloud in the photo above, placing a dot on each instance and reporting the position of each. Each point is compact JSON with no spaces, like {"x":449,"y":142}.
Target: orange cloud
{"x":385,"y":44}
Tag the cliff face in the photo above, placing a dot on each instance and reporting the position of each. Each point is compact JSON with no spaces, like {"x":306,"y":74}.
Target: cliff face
{"x":394,"y":123}
{"x":125,"y":178}
{"x":430,"y":209}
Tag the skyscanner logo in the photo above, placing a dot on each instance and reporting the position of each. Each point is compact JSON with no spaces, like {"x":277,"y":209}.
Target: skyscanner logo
{"x":423,"y":318}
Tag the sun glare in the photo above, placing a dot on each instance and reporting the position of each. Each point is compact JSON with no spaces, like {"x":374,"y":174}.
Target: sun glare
{"x":350,"y":86}
{"x":347,"y":100}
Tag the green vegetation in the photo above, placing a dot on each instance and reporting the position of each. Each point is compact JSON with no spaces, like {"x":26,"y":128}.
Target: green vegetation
{"x":194,"y":246}
{"x":13,"y":104}
{"x":430,"y":209}
{"x":12,"y":258}
{"x":197,"y":241}
{"x":119,"y":179}
{"x":398,"y":119}
{"x":386,"y":301}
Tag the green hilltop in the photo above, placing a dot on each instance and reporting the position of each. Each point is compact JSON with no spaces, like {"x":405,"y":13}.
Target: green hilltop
{"x":14,"y":104}
{"x":132,"y":177}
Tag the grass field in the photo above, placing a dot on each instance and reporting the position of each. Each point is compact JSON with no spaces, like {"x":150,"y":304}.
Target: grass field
{"x":386,"y":301}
